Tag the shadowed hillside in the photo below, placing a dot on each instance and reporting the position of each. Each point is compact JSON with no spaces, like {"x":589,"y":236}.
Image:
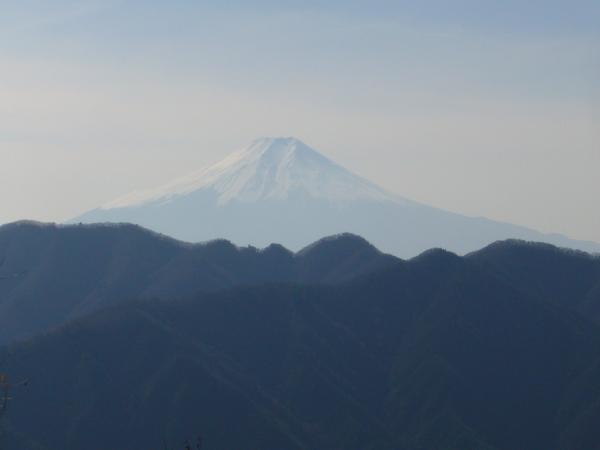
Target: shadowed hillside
{"x":50,"y":274}
{"x":566,"y":278}
{"x":439,"y":352}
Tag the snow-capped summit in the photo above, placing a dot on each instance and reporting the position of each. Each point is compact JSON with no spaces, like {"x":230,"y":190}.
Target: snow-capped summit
{"x":268,"y":168}
{"x":281,"y":190}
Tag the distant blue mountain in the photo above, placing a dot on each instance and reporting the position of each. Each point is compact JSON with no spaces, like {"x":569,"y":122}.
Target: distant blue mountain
{"x":280,"y":190}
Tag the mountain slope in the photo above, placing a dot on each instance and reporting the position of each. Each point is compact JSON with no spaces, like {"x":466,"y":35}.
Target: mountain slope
{"x":568,"y":279}
{"x":50,"y":274}
{"x":435,"y":352}
{"x":268,"y":168}
{"x":281,"y":190}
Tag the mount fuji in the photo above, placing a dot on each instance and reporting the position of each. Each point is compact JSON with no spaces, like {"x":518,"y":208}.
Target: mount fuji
{"x":281,"y":190}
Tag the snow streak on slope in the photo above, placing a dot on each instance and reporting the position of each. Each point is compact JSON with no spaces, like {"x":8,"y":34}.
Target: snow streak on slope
{"x":269,"y":168}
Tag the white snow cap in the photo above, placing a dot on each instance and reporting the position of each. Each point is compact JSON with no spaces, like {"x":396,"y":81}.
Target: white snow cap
{"x":268,"y":168}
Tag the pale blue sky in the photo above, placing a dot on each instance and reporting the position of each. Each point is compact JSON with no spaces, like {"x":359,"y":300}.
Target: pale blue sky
{"x":485,"y":108}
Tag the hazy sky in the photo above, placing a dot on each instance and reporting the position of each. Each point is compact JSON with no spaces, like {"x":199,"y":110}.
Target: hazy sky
{"x":479,"y":107}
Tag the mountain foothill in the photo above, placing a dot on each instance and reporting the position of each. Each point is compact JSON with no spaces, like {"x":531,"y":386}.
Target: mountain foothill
{"x":132,"y":339}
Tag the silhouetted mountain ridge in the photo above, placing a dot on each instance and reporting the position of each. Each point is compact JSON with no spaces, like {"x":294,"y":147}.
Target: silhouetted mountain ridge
{"x":53,"y":273}
{"x":565,"y":277}
{"x":440,"y":351}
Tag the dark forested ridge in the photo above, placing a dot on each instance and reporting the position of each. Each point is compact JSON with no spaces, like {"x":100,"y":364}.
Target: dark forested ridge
{"x":497,"y":350}
{"x":566,"y":278}
{"x":50,"y":274}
